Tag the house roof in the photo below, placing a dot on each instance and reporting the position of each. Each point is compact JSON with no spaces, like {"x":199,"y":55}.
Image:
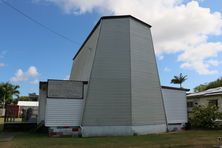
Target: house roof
{"x":108,"y":17}
{"x":175,"y":88}
{"x":209,"y":92}
{"x":28,"y":103}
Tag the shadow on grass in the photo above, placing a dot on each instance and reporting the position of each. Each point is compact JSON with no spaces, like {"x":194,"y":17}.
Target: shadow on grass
{"x":1,"y":124}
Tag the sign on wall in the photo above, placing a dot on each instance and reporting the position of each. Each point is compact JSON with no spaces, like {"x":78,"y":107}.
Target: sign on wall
{"x":65,"y":89}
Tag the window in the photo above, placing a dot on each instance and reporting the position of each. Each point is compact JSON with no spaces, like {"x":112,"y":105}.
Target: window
{"x":213,"y":102}
{"x":189,"y":104}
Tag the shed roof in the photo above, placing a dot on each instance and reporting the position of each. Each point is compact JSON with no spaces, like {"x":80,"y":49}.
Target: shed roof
{"x":175,"y":88}
{"x":209,"y":92}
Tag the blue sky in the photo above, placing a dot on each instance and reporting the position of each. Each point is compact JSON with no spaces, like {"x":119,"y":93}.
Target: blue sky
{"x":35,"y":54}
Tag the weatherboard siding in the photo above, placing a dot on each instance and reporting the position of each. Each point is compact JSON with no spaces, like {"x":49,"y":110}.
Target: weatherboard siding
{"x":175,"y":105}
{"x":63,"y":112}
{"x":108,"y":98}
{"x":147,"y":103}
{"x":82,"y":64}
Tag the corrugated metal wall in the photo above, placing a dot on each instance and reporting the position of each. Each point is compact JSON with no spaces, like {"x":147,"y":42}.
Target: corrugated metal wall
{"x":108,"y":99}
{"x":147,"y":103}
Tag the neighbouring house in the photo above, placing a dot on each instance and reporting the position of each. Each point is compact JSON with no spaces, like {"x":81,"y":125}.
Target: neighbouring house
{"x":28,"y":106}
{"x":114,"y":86}
{"x":208,"y":97}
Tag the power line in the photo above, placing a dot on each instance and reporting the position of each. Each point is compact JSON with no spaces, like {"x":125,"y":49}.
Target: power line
{"x":38,"y":23}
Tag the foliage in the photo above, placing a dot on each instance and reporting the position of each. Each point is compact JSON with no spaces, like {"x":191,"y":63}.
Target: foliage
{"x":200,"y":88}
{"x":213,"y":84}
{"x":179,"y":79}
{"x":7,"y":92}
{"x":204,"y":117}
{"x":24,"y":98}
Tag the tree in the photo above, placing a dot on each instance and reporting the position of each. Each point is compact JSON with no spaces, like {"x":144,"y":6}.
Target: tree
{"x":7,"y":92}
{"x":212,"y":84}
{"x":200,"y":87}
{"x":24,"y":98}
{"x":205,"y":117}
{"x":179,"y":79}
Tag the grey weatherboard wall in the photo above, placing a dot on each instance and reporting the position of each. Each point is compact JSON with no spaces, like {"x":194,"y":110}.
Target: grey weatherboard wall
{"x":123,"y":94}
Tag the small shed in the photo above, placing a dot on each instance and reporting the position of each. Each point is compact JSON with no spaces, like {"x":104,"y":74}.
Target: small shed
{"x":175,"y":107}
{"x":211,"y":96}
{"x":61,"y":105}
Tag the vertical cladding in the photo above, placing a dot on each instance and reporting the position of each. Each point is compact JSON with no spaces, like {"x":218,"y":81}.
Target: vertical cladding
{"x":82,"y":64}
{"x":108,"y":100}
{"x":147,"y":102}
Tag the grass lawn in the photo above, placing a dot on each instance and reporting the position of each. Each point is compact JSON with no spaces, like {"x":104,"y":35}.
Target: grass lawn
{"x":181,"y":139}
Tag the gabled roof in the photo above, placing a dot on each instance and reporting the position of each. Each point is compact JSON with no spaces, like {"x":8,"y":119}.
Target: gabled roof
{"x":209,"y":92}
{"x":108,"y":17}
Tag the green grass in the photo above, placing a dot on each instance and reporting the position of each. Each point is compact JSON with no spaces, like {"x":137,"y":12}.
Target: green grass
{"x":180,"y":139}
{"x":193,"y":138}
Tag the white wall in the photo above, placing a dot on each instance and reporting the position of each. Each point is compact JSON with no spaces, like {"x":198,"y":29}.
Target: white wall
{"x":175,"y":105}
{"x":63,"y":112}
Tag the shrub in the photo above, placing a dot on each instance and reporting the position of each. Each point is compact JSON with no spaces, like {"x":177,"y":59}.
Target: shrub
{"x":205,"y":117}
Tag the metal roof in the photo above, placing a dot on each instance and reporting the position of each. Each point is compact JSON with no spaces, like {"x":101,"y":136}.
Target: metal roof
{"x":175,"y":88}
{"x":209,"y":92}
{"x":28,"y":103}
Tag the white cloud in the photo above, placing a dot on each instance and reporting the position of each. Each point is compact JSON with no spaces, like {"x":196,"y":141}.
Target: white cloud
{"x":32,"y":71}
{"x":197,"y":58}
{"x":2,"y":55}
{"x":160,"y":57}
{"x":214,"y":62}
{"x":2,"y":65}
{"x":20,"y":75}
{"x":178,"y":27}
{"x":167,"y":69}
{"x":34,"y":82}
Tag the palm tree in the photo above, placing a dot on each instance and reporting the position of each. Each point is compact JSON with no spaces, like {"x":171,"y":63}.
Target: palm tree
{"x":179,"y":79}
{"x":7,"y":91}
